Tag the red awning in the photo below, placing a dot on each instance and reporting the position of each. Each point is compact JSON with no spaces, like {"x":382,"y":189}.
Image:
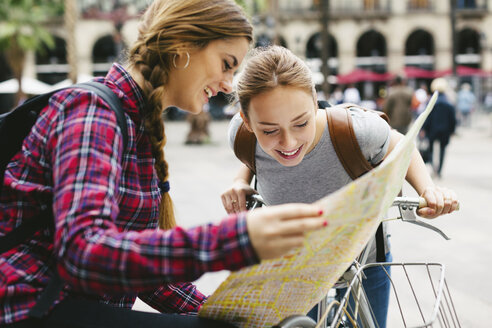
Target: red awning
{"x":470,"y":71}
{"x":361,"y":75}
{"x":415,"y":72}
{"x":420,"y":73}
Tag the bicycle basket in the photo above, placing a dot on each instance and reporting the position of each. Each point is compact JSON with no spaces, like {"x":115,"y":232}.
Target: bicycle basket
{"x":419,"y":297}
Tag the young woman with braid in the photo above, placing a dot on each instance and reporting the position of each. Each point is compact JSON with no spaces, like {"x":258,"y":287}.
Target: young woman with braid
{"x":295,"y":159}
{"x":109,"y":199}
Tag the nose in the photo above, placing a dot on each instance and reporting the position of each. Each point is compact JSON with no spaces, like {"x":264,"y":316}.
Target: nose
{"x":226,"y":84}
{"x":287,"y":140}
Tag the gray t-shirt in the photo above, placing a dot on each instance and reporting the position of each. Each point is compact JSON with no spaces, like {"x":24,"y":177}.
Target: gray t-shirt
{"x":320,"y":172}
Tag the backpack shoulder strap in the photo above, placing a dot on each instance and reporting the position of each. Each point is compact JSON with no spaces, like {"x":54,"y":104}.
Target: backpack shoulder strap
{"x":345,"y":141}
{"x":245,"y":147}
{"x":112,"y":100}
{"x":350,"y":155}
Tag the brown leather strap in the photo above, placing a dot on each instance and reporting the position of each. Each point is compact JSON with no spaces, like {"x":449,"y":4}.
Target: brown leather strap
{"x":345,"y":142}
{"x":341,"y":133}
{"x":245,"y":146}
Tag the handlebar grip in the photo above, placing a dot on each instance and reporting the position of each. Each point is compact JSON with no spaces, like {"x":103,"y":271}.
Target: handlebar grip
{"x":423,"y":203}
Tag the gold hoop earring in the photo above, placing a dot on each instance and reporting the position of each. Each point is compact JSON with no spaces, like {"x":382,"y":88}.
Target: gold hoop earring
{"x":187,"y":60}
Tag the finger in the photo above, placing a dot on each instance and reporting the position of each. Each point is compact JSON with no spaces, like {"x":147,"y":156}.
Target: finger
{"x":233,"y":205}
{"x":430,"y":198}
{"x":225,"y":203}
{"x":301,"y":226}
{"x":294,"y":211}
{"x":455,"y":203}
{"x":230,"y":206}
{"x":448,"y":202}
{"x":241,"y":201}
{"x":435,"y":201}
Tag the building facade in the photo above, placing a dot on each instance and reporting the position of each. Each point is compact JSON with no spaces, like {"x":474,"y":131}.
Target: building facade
{"x":412,"y":38}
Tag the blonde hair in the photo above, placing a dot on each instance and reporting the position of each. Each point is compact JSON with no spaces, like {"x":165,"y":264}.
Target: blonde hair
{"x":439,"y":84}
{"x":168,"y":27}
{"x":268,"y":68}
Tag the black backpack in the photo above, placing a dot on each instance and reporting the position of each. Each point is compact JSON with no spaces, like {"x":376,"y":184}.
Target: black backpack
{"x":14,"y":128}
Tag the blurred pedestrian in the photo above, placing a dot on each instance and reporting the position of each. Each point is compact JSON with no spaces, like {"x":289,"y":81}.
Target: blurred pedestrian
{"x":199,"y":132}
{"x":398,"y":105}
{"x":422,"y":96}
{"x":351,"y":94}
{"x":336,"y":96}
{"x":465,"y":103}
{"x":440,"y":124}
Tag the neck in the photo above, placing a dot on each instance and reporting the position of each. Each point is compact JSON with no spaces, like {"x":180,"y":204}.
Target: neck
{"x":139,"y":79}
{"x":320,"y":127}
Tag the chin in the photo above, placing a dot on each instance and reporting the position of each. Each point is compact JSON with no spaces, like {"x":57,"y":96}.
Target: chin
{"x":288,"y":163}
{"x":193,"y":109}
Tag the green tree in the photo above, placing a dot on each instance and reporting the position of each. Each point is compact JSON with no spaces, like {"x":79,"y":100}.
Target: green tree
{"x":22,"y":29}
{"x":253,"y":7}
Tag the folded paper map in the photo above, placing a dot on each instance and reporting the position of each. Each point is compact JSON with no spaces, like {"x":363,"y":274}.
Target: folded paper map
{"x":264,"y":294}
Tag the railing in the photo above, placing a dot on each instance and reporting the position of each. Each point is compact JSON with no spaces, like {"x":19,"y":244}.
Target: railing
{"x":338,"y":8}
{"x":420,"y":5}
{"x":471,"y":8}
{"x":100,"y":9}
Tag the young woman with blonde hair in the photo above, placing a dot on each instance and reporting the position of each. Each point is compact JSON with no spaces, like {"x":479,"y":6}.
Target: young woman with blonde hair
{"x":108,"y":200}
{"x":295,"y":159}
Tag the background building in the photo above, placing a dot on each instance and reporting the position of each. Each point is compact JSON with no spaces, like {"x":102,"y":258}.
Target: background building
{"x":370,"y":41}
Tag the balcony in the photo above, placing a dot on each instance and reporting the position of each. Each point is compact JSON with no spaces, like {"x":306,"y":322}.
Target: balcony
{"x":339,"y":9}
{"x":95,"y":9}
{"x":471,"y":8}
{"x":419,"y":6}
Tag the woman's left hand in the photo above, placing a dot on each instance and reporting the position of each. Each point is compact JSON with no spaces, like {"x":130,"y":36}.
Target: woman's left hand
{"x":439,"y":201}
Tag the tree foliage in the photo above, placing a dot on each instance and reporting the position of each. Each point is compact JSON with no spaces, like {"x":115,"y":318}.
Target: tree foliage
{"x":22,"y":22}
{"x":22,"y":29}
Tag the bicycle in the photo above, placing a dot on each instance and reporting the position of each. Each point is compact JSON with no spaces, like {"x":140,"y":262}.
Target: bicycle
{"x":354,"y":310}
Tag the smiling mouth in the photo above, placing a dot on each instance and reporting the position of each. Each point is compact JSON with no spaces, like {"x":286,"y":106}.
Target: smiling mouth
{"x":290,"y":154}
{"x":208,"y":92}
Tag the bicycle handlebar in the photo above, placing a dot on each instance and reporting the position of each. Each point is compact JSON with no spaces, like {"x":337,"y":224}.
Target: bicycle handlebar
{"x":406,"y":206}
{"x":418,"y":202}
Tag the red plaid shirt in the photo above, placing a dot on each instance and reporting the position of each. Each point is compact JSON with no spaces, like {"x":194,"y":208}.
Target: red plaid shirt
{"x":106,"y":207}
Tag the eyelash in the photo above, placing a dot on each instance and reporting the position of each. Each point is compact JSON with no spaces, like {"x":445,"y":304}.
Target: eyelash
{"x":226,"y":65}
{"x":297,"y":126}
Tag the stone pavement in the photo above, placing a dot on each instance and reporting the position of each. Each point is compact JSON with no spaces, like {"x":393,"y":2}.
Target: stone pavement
{"x":198,"y":175}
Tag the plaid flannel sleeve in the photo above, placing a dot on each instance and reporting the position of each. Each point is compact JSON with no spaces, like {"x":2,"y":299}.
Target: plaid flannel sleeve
{"x":97,"y":257}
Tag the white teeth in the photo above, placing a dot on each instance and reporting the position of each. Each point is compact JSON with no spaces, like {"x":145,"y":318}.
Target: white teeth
{"x":290,"y":153}
{"x":208,"y":91}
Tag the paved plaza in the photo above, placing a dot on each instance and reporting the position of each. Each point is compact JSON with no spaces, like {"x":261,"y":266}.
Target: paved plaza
{"x":198,"y":175}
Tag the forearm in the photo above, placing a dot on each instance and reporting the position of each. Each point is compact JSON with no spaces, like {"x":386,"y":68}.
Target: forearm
{"x":244,"y":174}
{"x":107,"y":261}
{"x":417,"y":175}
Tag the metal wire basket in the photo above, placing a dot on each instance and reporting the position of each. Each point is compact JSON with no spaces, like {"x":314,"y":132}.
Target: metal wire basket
{"x":419,"y":297}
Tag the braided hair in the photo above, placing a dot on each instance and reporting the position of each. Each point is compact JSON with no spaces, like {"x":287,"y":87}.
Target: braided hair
{"x":168,"y":27}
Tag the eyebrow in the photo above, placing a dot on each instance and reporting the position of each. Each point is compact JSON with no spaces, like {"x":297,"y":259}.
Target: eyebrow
{"x":295,"y":119}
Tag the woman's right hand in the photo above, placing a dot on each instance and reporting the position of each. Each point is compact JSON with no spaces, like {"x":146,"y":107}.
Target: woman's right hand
{"x":275,"y":230}
{"x":234,"y":199}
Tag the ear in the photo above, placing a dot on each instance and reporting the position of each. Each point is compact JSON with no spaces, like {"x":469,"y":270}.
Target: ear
{"x":245,"y":120}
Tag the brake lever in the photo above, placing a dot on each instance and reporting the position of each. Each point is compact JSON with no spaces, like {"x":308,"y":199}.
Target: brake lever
{"x":254,"y":201}
{"x":407,"y":208}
